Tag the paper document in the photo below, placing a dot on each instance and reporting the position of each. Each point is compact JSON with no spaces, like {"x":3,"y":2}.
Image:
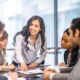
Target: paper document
{"x":31,"y":72}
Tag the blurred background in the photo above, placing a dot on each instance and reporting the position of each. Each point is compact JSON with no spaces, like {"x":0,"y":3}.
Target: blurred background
{"x":15,"y":13}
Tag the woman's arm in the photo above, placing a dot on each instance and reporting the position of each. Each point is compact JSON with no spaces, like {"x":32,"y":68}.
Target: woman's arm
{"x":5,"y":64}
{"x":61,"y":64}
{"x":3,"y":68}
{"x":9,"y":67}
{"x":43,"y":54}
{"x":18,"y":50}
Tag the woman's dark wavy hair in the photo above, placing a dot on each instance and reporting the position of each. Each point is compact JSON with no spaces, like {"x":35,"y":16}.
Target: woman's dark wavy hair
{"x":25,"y":31}
{"x":67,"y":31}
{"x":74,"y":54}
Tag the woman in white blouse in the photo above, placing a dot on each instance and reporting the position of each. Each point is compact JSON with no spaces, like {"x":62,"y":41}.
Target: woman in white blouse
{"x":28,"y":42}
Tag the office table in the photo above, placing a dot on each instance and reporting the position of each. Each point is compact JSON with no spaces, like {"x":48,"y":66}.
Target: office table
{"x":29,"y":76}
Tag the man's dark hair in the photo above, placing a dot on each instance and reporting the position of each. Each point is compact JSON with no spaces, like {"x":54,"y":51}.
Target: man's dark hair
{"x":74,"y":20}
{"x":75,"y":26}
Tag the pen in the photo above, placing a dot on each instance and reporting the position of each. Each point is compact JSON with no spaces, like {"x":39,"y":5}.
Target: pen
{"x":28,"y":79}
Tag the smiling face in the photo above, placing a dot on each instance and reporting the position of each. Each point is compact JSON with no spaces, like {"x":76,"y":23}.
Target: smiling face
{"x":65,"y":42}
{"x":34,"y":28}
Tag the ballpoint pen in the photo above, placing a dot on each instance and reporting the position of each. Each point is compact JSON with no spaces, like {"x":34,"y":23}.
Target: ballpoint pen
{"x":28,"y":79}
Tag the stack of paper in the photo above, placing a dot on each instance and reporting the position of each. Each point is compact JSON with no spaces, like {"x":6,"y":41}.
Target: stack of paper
{"x":31,"y":72}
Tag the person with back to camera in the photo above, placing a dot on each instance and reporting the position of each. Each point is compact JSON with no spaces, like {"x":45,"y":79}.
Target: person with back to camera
{"x":70,"y":55}
{"x":69,"y":73}
{"x":28,"y":42}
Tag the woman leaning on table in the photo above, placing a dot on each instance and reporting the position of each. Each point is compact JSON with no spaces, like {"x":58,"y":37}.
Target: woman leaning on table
{"x":28,"y":42}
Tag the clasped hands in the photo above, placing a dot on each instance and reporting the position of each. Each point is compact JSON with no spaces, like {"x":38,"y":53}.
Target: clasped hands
{"x":47,"y":73}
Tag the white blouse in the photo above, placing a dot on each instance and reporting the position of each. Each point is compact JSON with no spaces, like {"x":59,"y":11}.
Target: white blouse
{"x":30,"y":56}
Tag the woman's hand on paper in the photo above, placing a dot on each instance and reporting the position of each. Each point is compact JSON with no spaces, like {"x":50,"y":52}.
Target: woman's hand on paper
{"x":33,"y":64}
{"x":24,"y":67}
